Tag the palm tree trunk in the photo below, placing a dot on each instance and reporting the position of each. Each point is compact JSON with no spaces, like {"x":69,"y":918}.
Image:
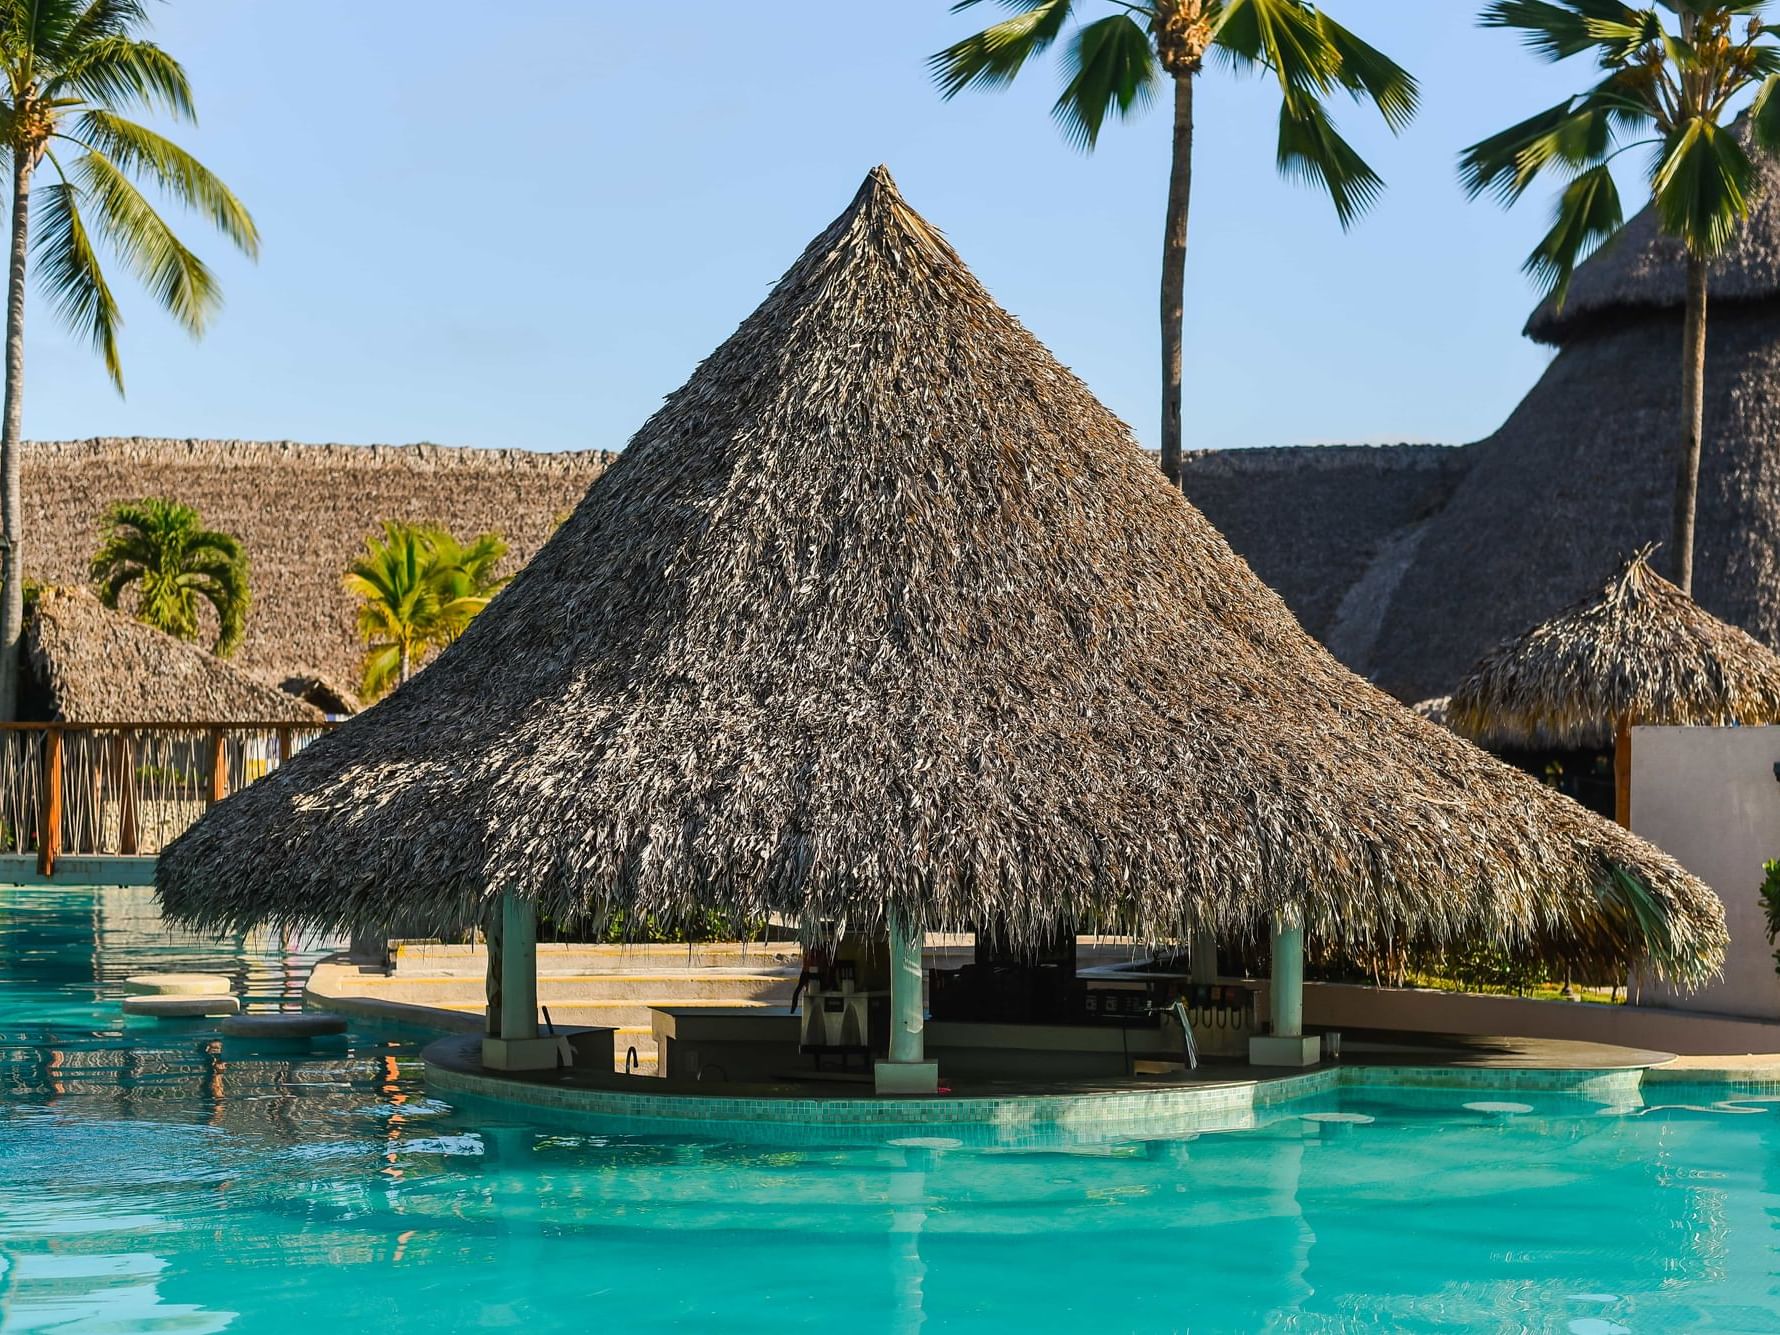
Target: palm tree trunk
{"x":402,"y":667}
{"x":12,"y":555}
{"x":1174,"y":273}
{"x":1693,"y":407}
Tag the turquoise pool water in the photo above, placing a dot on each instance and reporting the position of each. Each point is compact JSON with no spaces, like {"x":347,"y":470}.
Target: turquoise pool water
{"x":153,"y":1178}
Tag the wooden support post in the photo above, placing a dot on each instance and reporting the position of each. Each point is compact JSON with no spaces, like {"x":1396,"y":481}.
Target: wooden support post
{"x":129,"y":832}
{"x":49,"y":834}
{"x":1622,"y":771}
{"x":284,"y":746}
{"x":219,"y":766}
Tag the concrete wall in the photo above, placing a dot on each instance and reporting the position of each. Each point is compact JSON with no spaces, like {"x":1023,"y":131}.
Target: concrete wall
{"x":1709,"y":797}
{"x":1350,"y":1007}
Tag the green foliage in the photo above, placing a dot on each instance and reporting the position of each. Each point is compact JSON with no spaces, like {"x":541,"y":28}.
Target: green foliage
{"x":620,"y":929}
{"x":1770,"y":904}
{"x":1668,"y":87}
{"x":418,"y":587}
{"x":1113,"y":64}
{"x":162,"y":550}
{"x":69,"y":71}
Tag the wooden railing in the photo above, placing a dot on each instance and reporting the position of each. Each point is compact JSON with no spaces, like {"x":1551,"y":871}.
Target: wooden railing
{"x":127,"y":788}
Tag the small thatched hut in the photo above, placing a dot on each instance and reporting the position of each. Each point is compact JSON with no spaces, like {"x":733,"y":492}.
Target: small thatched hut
{"x":328,"y":696}
{"x":1637,"y":651}
{"x":85,"y":663}
{"x":884,"y":620}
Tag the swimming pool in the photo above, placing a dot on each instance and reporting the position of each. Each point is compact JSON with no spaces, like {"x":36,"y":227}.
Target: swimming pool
{"x":154,"y":1179}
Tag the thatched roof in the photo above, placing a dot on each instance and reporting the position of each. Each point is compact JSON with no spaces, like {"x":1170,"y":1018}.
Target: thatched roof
{"x":884,"y":611}
{"x":1643,"y":270}
{"x":329,"y":697}
{"x":1638,"y":650}
{"x":88,"y":664}
{"x":303,"y":512}
{"x":1312,"y":521}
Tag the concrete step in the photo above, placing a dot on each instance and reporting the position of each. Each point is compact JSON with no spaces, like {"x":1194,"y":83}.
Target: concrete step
{"x":459,"y":961}
{"x":695,"y":983}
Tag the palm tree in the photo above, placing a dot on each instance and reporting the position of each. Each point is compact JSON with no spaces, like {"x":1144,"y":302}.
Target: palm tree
{"x":163,"y":549}
{"x":69,"y":69}
{"x":418,"y":587}
{"x":1114,"y":63}
{"x":465,"y":576}
{"x":1667,"y":87}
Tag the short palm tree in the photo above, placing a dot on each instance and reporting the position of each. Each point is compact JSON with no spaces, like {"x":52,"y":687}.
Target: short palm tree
{"x":1113,"y":64}
{"x":418,"y":587}
{"x":69,"y":71}
{"x":162,"y":550}
{"x":1672,"y":87}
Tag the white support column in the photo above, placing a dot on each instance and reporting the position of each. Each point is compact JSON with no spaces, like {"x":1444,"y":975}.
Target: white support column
{"x":518,"y":1046}
{"x":907,"y":1071}
{"x":1286,"y":1045}
{"x":1288,"y":978}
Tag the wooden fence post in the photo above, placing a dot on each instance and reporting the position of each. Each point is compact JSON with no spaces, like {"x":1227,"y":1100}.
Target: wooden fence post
{"x":129,"y":832}
{"x":49,"y":836}
{"x":219,"y":766}
{"x":284,"y":746}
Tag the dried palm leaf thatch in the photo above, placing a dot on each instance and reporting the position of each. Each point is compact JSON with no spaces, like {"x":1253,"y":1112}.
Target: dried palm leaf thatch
{"x":89,"y":664}
{"x":1640,"y":650}
{"x":883,"y":612}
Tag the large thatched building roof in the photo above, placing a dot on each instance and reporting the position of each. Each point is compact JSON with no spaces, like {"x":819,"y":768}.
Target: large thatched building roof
{"x":883,"y":611}
{"x":1637,"y":651}
{"x":303,"y":511}
{"x":1582,"y":472}
{"x":85,"y":663}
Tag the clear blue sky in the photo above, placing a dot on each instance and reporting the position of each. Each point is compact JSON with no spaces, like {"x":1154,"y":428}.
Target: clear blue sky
{"x":523,"y":224}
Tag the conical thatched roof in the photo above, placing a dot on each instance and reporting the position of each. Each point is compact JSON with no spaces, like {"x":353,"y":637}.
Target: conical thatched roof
{"x":1639,"y":650}
{"x":883,"y":610}
{"x":1643,"y":270}
{"x":89,"y":664}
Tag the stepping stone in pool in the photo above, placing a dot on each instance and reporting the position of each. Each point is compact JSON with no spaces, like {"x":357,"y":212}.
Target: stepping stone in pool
{"x":283,"y":1024}
{"x":179,"y":984}
{"x":182,"y":1007}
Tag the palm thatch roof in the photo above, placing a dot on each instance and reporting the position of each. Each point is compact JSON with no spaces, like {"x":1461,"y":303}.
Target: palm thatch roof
{"x":884,"y":612}
{"x":1639,"y":650}
{"x":302,"y":511}
{"x":89,"y":664}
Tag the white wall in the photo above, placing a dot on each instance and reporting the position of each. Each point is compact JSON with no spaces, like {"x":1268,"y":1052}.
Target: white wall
{"x":1708,"y":796}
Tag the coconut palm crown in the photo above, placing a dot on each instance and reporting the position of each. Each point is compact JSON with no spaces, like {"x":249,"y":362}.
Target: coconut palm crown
{"x":1672,"y":85}
{"x":162,"y":550}
{"x":1113,"y":64}
{"x":71,"y":74}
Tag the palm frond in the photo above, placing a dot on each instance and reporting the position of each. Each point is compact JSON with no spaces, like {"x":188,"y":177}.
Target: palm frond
{"x":1112,"y":68}
{"x":1702,"y":186}
{"x":177,"y":279}
{"x":1367,"y":72}
{"x":69,"y":271}
{"x":1311,"y":150}
{"x":1588,"y":213}
{"x":137,"y":149}
{"x":121,"y":71}
{"x":994,"y":56}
